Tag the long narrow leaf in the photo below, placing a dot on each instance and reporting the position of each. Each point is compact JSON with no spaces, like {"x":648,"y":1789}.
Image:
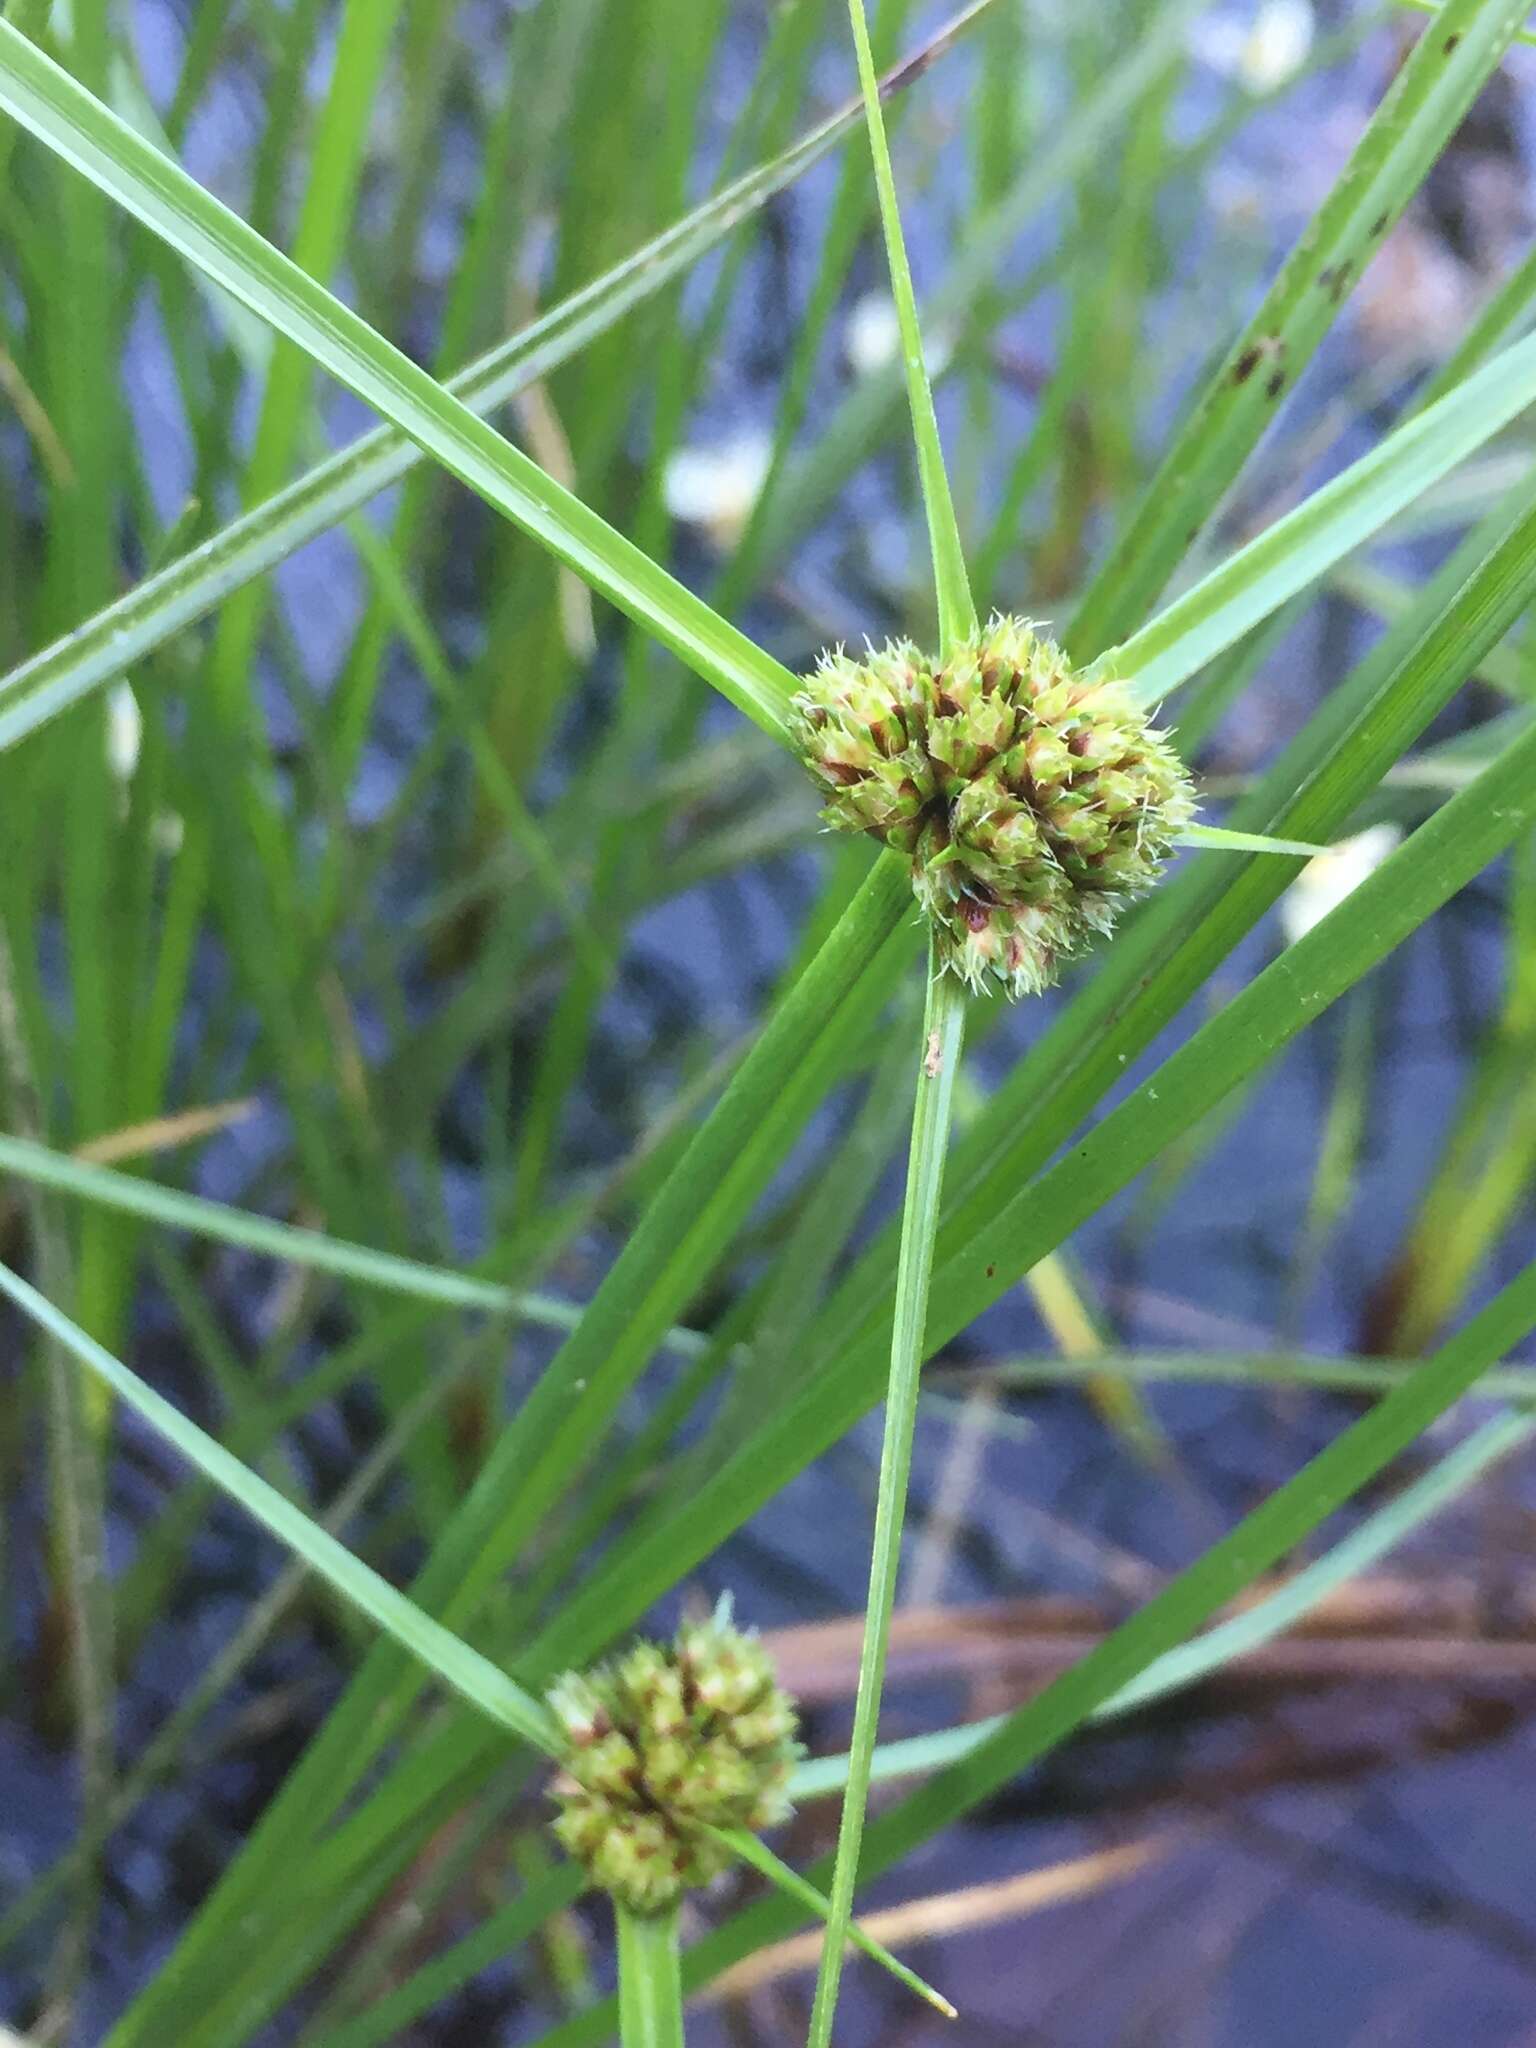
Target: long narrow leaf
{"x":557,"y":1430}
{"x":919,"y":1755}
{"x":187,"y":588}
{"x":973,"y":1771}
{"x":75,"y":124}
{"x":1429,"y":868}
{"x":310,"y":1248}
{"x":760,"y":1857}
{"x":1352,"y":1461}
{"x":1335,"y":520}
{"x":444,"y":1654}
{"x":1420,"y":113}
{"x":957,"y":612}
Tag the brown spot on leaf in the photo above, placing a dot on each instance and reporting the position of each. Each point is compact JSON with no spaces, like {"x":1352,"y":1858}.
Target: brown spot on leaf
{"x":1270,"y":348}
{"x":1450,"y":43}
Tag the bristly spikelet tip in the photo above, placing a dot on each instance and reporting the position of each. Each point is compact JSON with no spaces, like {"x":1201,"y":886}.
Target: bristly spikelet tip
{"x":1030,"y":801}
{"x":662,"y":1744}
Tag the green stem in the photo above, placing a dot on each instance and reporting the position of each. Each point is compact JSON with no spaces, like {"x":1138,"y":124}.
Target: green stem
{"x":952,"y":586}
{"x":650,"y":1979}
{"x":80,"y":1587}
{"x":943,"y":1036}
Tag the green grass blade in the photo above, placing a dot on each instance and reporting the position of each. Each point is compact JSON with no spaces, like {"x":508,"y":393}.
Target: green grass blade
{"x":311,"y":1248}
{"x":453,"y":1661}
{"x":666,"y":1259}
{"x":1002,"y":1228}
{"x":1380,"y":1533}
{"x":943,"y":1038}
{"x":673,"y":1250}
{"x":957,"y":612}
{"x":1376,"y":1537}
{"x":973,"y":1770}
{"x":386,"y":2020}
{"x":778,"y":1873}
{"x":1434,"y":7}
{"x":185,"y":589}
{"x":73,"y":123}
{"x":1286,"y":1519}
{"x":1219,"y":840}
{"x":1306,"y":543}
{"x":1426,"y":102}
{"x":650,"y":1979}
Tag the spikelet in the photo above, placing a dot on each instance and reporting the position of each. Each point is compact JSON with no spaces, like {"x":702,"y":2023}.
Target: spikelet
{"x":663,"y":1742}
{"x":1030,"y":802}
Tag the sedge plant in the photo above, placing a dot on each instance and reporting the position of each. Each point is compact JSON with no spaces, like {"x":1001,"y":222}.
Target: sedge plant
{"x":1006,"y":796}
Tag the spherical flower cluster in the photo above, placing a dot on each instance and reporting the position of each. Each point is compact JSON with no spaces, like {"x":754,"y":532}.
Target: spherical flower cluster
{"x":1031,"y":802}
{"x":663,"y":1744}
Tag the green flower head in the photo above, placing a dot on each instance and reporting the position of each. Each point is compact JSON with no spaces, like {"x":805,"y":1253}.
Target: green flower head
{"x":662,"y":1744}
{"x":1031,"y":802}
